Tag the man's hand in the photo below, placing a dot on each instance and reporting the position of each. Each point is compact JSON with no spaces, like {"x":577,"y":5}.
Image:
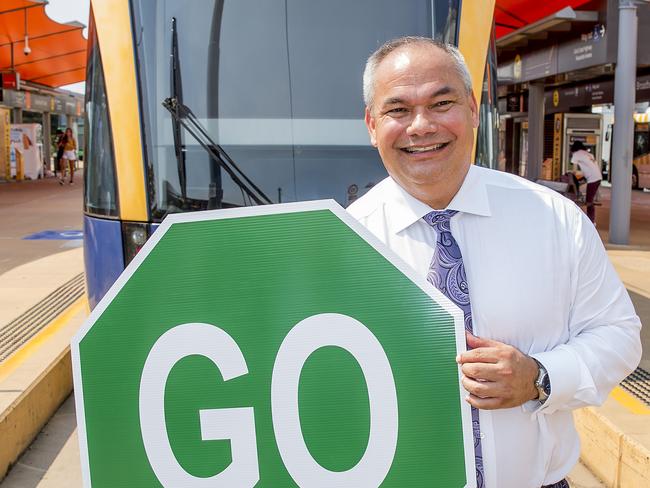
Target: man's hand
{"x":497,"y":375}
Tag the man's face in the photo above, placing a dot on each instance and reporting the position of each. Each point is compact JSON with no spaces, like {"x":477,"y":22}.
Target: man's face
{"x":422,"y":118}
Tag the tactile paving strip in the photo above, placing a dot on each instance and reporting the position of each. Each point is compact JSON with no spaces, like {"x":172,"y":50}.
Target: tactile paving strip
{"x":638,"y":383}
{"x":21,"y":329}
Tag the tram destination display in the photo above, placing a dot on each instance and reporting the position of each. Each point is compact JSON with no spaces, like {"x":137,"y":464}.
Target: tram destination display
{"x":278,"y":345}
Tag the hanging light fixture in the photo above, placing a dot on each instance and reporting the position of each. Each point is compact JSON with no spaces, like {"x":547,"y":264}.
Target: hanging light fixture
{"x":26,"y":49}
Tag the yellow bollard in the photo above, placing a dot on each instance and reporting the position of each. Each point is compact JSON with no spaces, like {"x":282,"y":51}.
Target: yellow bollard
{"x":20,"y":172}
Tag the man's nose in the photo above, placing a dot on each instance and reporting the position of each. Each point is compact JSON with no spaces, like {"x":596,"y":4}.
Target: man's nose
{"x":421,"y":124}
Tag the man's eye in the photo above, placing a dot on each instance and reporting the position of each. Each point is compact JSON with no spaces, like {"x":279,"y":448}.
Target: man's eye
{"x":396,"y":110}
{"x":443,"y":104}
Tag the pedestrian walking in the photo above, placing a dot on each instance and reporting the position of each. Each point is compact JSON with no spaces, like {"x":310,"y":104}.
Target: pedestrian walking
{"x":586,"y":163}
{"x":58,"y":144}
{"x":69,"y":156}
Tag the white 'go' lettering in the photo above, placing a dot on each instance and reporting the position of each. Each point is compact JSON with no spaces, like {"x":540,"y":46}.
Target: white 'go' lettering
{"x":306,"y":337}
{"x":238,"y":424}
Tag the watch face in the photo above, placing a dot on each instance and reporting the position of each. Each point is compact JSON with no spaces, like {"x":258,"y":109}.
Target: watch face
{"x":546,"y":385}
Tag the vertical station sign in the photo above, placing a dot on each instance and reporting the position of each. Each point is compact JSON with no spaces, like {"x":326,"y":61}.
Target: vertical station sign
{"x":272,"y":346}
{"x":5,"y":144}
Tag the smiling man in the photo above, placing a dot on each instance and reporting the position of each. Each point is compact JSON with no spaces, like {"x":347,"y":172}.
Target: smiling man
{"x":550,"y":327}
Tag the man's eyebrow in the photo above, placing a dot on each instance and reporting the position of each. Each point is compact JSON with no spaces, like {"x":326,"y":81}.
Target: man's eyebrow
{"x":445,"y":90}
{"x":393,"y":101}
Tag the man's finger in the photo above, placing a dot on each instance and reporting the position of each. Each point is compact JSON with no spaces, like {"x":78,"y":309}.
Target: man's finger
{"x":483,"y":403}
{"x":480,"y":389}
{"x":482,"y":371}
{"x":474,"y":342}
{"x":480,"y":355}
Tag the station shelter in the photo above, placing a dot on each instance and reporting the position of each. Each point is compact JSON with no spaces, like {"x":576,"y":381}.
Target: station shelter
{"x":37,"y":56}
{"x":556,"y":66}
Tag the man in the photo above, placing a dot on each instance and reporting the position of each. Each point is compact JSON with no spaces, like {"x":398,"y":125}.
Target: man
{"x":583,"y":160}
{"x":553,"y":327}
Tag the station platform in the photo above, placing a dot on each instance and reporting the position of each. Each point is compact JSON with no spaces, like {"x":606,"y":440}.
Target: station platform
{"x":36,"y":381}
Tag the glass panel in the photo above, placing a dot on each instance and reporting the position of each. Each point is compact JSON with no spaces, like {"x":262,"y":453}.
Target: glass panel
{"x":100,"y":190}
{"x":445,"y":20}
{"x":277,"y":83}
{"x":641,"y":140}
{"x":487,"y":144}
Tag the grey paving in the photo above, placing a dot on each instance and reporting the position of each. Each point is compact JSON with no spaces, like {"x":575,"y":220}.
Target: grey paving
{"x":52,"y":460}
{"x":33,"y":206}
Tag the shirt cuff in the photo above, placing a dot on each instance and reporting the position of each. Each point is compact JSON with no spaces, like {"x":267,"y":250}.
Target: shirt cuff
{"x":564,"y":375}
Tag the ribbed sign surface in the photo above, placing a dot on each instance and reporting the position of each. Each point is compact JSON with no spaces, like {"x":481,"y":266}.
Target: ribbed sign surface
{"x":273,"y":346}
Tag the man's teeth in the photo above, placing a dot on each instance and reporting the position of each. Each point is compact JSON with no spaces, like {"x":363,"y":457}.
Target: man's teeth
{"x":435,"y":147}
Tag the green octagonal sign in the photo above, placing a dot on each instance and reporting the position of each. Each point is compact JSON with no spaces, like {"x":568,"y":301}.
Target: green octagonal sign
{"x":275,"y":346}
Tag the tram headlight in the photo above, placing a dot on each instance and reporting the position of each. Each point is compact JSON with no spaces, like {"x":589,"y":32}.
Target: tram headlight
{"x":134,"y":235}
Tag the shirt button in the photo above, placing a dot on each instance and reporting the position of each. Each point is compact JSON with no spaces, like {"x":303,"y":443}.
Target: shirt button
{"x":482,"y":435}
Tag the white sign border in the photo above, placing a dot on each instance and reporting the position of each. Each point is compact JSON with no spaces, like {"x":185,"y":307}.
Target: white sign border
{"x":276,"y":209}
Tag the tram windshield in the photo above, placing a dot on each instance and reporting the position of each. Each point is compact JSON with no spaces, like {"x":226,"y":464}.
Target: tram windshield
{"x":276,"y":84}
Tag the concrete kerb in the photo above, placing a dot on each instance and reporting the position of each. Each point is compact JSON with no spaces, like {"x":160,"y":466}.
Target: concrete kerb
{"x":32,"y":390}
{"x":24,"y":418}
{"x":617,"y":459}
{"x":37,"y":378}
{"x":625,"y":247}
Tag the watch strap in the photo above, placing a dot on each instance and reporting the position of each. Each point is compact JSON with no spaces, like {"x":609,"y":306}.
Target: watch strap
{"x":542,"y":383}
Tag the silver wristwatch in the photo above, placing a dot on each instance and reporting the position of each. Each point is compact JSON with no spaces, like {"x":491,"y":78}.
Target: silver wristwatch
{"x":542,"y":383}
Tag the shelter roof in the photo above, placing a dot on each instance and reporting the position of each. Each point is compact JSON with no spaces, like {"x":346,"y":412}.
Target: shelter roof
{"x":58,"y":51}
{"x":511,"y":15}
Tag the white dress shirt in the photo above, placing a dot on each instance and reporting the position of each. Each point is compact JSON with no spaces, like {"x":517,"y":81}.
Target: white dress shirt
{"x":540,"y":280}
{"x":587,"y":165}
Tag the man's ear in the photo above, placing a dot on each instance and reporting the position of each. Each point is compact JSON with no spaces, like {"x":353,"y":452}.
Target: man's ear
{"x":474,"y":108}
{"x":371,"y":125}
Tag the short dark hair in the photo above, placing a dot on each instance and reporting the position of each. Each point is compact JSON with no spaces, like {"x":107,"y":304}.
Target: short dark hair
{"x":578,"y":146}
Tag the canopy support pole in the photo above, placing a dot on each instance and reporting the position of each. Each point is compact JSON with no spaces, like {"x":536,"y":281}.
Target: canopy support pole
{"x":624,"y":95}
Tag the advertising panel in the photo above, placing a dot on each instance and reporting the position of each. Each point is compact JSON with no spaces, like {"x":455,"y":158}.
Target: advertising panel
{"x":27,"y":140}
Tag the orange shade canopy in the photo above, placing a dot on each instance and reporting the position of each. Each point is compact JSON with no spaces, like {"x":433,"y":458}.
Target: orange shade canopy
{"x":510,"y":15}
{"x":58,"y":51}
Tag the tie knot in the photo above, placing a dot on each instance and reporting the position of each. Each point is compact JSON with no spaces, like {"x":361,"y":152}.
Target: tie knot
{"x":439,"y":219}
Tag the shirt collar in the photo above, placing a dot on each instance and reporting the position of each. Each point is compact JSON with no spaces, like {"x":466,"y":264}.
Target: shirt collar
{"x":403,"y":210}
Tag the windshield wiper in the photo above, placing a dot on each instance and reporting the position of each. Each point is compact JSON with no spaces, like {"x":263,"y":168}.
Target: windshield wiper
{"x":177,"y":93}
{"x":185,"y":117}
{"x":182,"y":116}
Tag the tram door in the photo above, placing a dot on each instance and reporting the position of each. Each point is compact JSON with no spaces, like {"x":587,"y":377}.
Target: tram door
{"x":586,"y":128}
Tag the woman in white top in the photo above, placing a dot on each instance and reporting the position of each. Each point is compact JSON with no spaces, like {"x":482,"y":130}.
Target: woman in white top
{"x":69,"y":144}
{"x":590,"y":170}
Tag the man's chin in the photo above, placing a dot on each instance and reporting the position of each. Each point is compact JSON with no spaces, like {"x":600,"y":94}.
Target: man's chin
{"x":432,"y":177}
{"x":430,"y":174}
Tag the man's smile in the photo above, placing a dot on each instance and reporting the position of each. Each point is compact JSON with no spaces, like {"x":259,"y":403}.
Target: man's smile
{"x":424,"y":149}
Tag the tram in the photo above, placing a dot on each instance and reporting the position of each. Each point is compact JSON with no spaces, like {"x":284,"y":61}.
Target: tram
{"x":211,"y":104}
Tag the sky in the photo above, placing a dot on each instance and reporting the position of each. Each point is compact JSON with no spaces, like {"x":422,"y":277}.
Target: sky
{"x":66,"y":11}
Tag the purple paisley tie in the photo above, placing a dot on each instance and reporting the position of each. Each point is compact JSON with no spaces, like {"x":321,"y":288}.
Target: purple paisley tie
{"x":447,"y":274}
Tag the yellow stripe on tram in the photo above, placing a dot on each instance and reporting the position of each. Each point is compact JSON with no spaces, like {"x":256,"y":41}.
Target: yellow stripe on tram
{"x":629,"y":401}
{"x":473,"y":42}
{"x":16,"y":359}
{"x":113,"y":25}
